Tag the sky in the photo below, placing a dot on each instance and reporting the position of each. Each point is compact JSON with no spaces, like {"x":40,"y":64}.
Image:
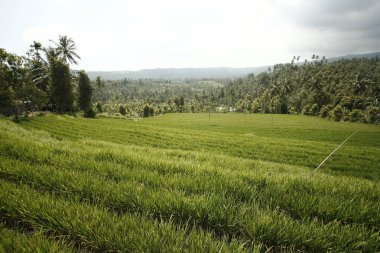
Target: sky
{"x":141,"y":34}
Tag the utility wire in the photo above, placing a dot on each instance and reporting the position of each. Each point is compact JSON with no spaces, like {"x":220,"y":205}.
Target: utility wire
{"x":334,"y":151}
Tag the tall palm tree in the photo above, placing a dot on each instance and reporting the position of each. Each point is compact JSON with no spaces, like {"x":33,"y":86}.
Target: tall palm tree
{"x":286,"y":86}
{"x":359,"y":85}
{"x":274,"y":89}
{"x":51,"y":53}
{"x":35,"y":48}
{"x":66,"y":49}
{"x":314,"y":85}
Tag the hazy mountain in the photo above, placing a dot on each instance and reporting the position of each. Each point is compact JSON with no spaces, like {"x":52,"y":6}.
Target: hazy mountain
{"x":352,"y":56}
{"x":198,"y":73}
{"x":178,"y":73}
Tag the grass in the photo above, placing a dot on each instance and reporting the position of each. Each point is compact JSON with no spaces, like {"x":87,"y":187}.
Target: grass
{"x":182,"y":182}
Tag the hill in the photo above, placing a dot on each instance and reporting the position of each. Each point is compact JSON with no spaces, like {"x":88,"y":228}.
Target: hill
{"x":177,"y":73}
{"x":197,"y":73}
{"x":354,"y":56}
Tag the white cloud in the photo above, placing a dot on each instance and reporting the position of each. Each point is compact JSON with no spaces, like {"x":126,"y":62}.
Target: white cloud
{"x":118,"y":34}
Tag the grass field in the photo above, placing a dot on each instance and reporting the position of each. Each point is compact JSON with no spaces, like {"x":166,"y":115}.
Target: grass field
{"x":188,"y":183}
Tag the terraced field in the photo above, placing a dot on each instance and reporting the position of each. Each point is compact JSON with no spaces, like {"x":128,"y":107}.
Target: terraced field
{"x":187,"y":183}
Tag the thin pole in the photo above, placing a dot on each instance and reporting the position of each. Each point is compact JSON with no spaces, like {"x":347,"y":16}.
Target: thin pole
{"x":334,"y":151}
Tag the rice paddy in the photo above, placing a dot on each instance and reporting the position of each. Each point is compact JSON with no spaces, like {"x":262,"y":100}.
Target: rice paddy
{"x":189,"y":183}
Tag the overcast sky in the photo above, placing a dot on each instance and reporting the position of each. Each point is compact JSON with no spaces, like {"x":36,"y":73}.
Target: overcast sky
{"x":126,"y":34}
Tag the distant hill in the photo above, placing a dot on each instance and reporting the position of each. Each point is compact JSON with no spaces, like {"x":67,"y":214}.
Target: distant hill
{"x":178,"y":73}
{"x":352,"y":56}
{"x":198,"y":73}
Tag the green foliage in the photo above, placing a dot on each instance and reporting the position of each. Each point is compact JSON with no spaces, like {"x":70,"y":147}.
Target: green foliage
{"x":99,"y":107}
{"x":354,"y":84}
{"x":36,"y":82}
{"x":84,"y":91}
{"x":293,"y":110}
{"x":6,"y":96}
{"x":255,"y":107}
{"x":12,"y":77}
{"x":174,"y":190}
{"x":146,"y":111}
{"x":90,"y":113}
{"x":275,"y":104}
{"x":325,"y":111}
{"x":306,"y":109}
{"x":14,"y":241}
{"x":314,"y":110}
{"x":65,"y":50}
{"x":122,"y":110}
{"x":61,"y":93}
{"x":373,"y":115}
{"x":35,"y":98}
{"x":337,"y":113}
{"x":356,"y":115}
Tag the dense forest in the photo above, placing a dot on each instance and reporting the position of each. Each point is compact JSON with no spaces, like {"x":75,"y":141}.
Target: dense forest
{"x":344,"y":90}
{"x":348,"y":90}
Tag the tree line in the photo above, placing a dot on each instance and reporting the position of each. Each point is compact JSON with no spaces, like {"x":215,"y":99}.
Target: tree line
{"x":347,"y":90}
{"x":344,"y":90}
{"x":42,"y":80}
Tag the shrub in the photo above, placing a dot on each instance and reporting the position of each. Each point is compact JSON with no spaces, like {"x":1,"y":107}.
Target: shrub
{"x":324,"y":112}
{"x":293,"y":110}
{"x":337,"y":113}
{"x":314,"y":110}
{"x":355,"y":115}
{"x":255,"y":107}
{"x":122,"y":110}
{"x":306,"y":110}
{"x":146,"y":111}
{"x":90,"y":113}
{"x":373,"y":115}
{"x":99,"y":107}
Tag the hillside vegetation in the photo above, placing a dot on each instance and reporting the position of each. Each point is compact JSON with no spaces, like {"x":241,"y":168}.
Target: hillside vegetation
{"x":342,"y":90}
{"x":188,"y":183}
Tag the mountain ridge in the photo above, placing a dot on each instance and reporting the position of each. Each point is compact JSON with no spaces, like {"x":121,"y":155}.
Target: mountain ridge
{"x":199,"y":73}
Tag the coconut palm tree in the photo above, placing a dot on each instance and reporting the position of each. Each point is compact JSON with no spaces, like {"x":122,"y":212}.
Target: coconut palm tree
{"x":274,"y":89}
{"x":314,"y":85}
{"x":359,"y":85}
{"x":66,"y":50}
{"x":286,"y":86}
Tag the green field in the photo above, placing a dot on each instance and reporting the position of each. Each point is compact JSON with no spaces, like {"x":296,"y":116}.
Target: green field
{"x":188,"y":183}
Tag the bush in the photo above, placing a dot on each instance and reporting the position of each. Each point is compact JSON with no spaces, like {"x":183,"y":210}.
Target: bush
{"x":293,"y":110}
{"x":90,"y":113}
{"x":255,"y":107}
{"x":306,"y":110}
{"x":324,"y":112}
{"x":314,"y":110}
{"x":373,"y":115}
{"x":99,"y":107}
{"x":146,"y":111}
{"x":355,"y":115}
{"x":122,"y":110}
{"x":337,"y":113}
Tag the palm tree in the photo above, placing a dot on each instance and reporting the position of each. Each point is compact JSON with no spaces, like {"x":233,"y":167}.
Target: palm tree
{"x":66,"y":49}
{"x":315,"y":85}
{"x":274,"y":90}
{"x":51,"y":53}
{"x":35,"y":48}
{"x":286,"y":86}
{"x":359,"y":85}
